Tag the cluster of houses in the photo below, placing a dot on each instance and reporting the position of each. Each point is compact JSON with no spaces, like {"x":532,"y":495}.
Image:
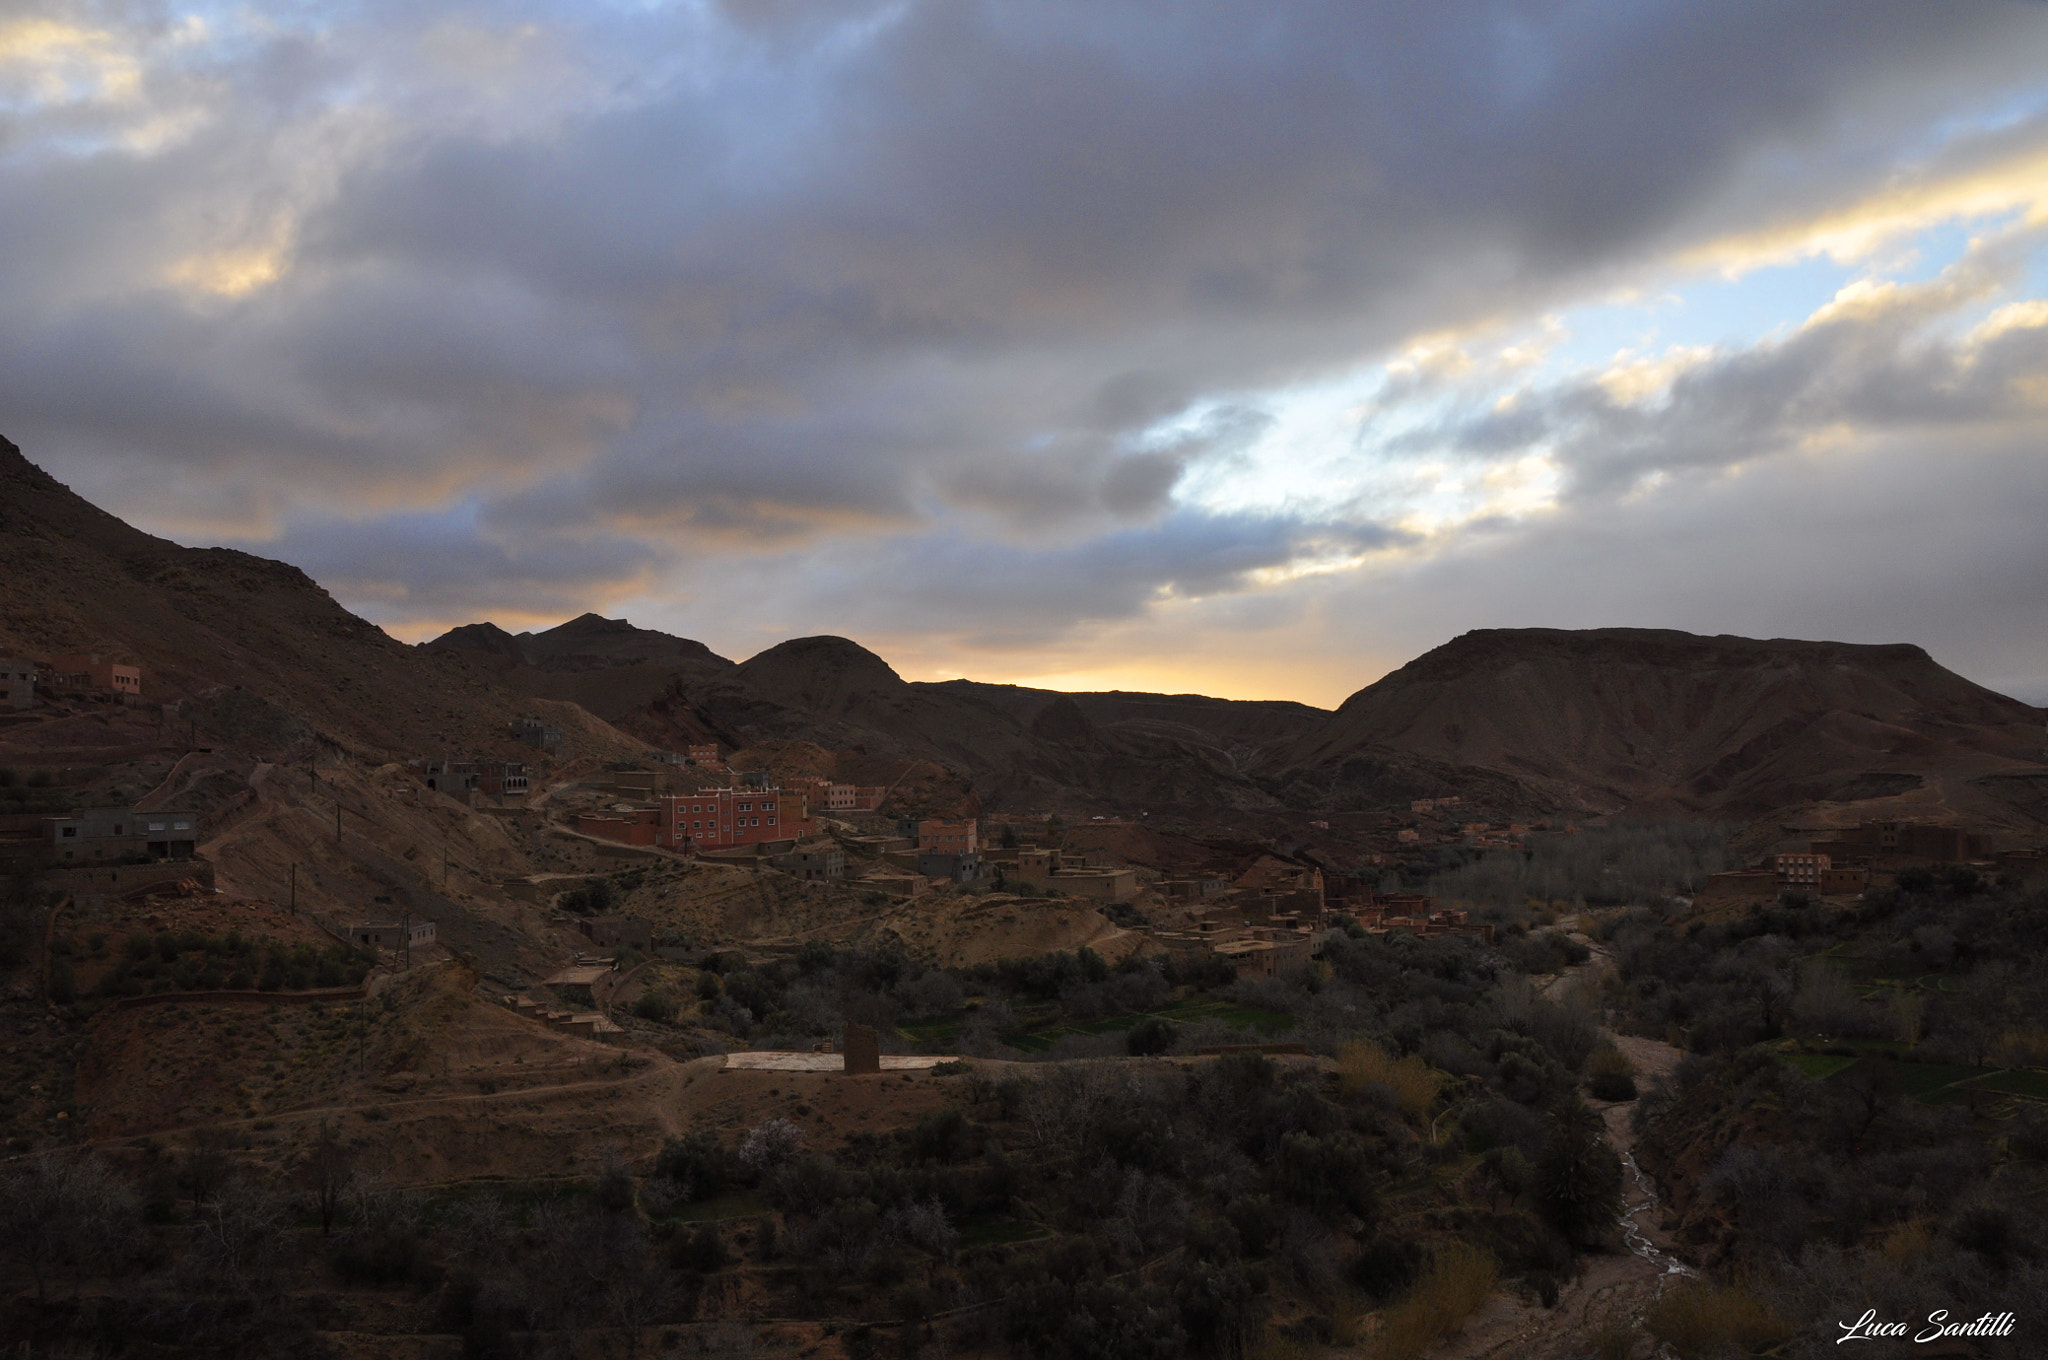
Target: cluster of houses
{"x":504,"y":782}
{"x":78,"y":673}
{"x":1841,"y":863}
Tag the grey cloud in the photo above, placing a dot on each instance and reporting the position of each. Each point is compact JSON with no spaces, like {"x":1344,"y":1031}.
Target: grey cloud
{"x":1012,"y":594}
{"x":1874,"y":367}
{"x":409,"y":568}
{"x":1929,"y":537}
{"x":820,"y":275}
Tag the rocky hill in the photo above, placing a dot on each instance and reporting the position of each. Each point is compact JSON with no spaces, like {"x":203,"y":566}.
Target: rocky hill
{"x":1523,"y":719}
{"x":1018,"y":748}
{"x":607,"y":666}
{"x":206,"y":620}
{"x":1659,"y":721}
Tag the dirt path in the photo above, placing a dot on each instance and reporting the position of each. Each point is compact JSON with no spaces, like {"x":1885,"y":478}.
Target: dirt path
{"x":1613,"y":1290}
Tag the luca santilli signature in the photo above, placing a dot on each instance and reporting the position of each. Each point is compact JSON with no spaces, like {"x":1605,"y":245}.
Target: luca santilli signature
{"x":1869,"y":1327}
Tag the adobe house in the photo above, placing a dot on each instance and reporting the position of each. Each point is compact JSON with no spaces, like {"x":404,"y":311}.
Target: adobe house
{"x":862,"y":1049}
{"x":613,"y":932}
{"x":456,"y":778}
{"x":89,"y":671}
{"x":952,"y":838}
{"x":100,"y":835}
{"x":502,"y":779}
{"x":963,"y":867}
{"x":393,"y":935}
{"x":1102,"y":885}
{"x":537,"y":732}
{"x":816,"y":863}
{"x":17,"y":683}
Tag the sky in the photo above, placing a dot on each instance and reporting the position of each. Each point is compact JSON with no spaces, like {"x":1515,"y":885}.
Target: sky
{"x":1244,"y":347}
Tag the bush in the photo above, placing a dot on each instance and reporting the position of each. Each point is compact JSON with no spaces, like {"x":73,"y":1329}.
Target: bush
{"x":698,"y":1163}
{"x":1698,"y":1319}
{"x":1460,"y":1279}
{"x":1610,"y":1077}
{"x":1152,"y":1034}
{"x":700,"y":1251}
{"x":1414,"y":1082}
{"x":1385,"y":1265}
{"x":656,"y":1004}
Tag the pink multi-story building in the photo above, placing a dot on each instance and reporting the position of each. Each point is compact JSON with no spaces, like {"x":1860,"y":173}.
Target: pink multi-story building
{"x":718,"y":819}
{"x":954,"y":838}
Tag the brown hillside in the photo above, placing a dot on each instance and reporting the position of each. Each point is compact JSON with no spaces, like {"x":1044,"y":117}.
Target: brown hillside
{"x":1648,"y":719}
{"x":202,"y":620}
{"x":1018,"y":748}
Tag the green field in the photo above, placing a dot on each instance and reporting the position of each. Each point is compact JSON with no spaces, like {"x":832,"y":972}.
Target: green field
{"x":1265,"y":1023}
{"x":2032,"y":1085}
{"x":1037,"y":1039}
{"x":738,"y":1204}
{"x":1820,"y":1065}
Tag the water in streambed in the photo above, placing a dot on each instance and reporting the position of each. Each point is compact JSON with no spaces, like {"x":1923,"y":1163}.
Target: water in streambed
{"x":1639,"y":1196}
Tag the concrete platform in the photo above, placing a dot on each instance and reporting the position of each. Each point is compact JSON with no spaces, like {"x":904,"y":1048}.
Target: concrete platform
{"x":826,"y":1062}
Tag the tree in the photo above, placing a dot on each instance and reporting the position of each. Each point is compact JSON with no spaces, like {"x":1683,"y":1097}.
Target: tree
{"x":1153,"y":1034}
{"x":1578,"y":1176}
{"x":331,"y":1170}
{"x":62,"y":1215}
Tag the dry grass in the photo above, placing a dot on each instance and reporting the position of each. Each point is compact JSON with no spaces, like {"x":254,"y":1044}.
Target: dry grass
{"x":1698,"y":1319}
{"x":1907,"y":1242}
{"x":1415,"y":1083}
{"x":1615,"y":1341}
{"x":1459,"y":1281}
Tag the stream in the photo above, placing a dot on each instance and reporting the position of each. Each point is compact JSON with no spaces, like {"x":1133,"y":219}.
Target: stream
{"x":1613,"y":1290}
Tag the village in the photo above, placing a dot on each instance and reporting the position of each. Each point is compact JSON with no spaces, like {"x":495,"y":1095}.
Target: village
{"x":1262,"y":914}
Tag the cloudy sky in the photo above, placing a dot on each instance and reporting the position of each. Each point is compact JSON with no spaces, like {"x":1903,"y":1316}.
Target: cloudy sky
{"x":1249,"y":348}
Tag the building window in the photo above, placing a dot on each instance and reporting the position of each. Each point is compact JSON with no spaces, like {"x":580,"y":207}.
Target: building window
{"x":771,"y":821}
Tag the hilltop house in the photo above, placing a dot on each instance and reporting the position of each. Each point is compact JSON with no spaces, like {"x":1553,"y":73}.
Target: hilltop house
{"x":107,"y":835}
{"x":89,"y":671}
{"x":17,"y":683}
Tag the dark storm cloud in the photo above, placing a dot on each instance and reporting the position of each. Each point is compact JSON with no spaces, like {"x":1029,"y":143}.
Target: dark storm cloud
{"x":814,"y":273}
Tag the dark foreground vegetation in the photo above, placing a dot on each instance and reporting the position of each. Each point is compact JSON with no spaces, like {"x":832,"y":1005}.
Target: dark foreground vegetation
{"x":1436,"y":1145}
{"x":1863,"y":1122}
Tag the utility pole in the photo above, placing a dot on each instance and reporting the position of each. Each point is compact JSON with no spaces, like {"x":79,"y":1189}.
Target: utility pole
{"x":295,"y":888}
{"x":363,"y":1037}
{"x":337,"y":821}
{"x":405,"y":929}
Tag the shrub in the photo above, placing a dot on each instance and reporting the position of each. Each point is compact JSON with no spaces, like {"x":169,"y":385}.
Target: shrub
{"x":1609,"y":1076}
{"x":656,"y":1004}
{"x":1153,"y":1034}
{"x":1385,"y":1265}
{"x":1698,"y":1319}
{"x":701,"y":1250}
{"x":1459,"y":1280}
{"x":63,"y":987}
{"x":700,"y":1165}
{"x":1414,"y":1082}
